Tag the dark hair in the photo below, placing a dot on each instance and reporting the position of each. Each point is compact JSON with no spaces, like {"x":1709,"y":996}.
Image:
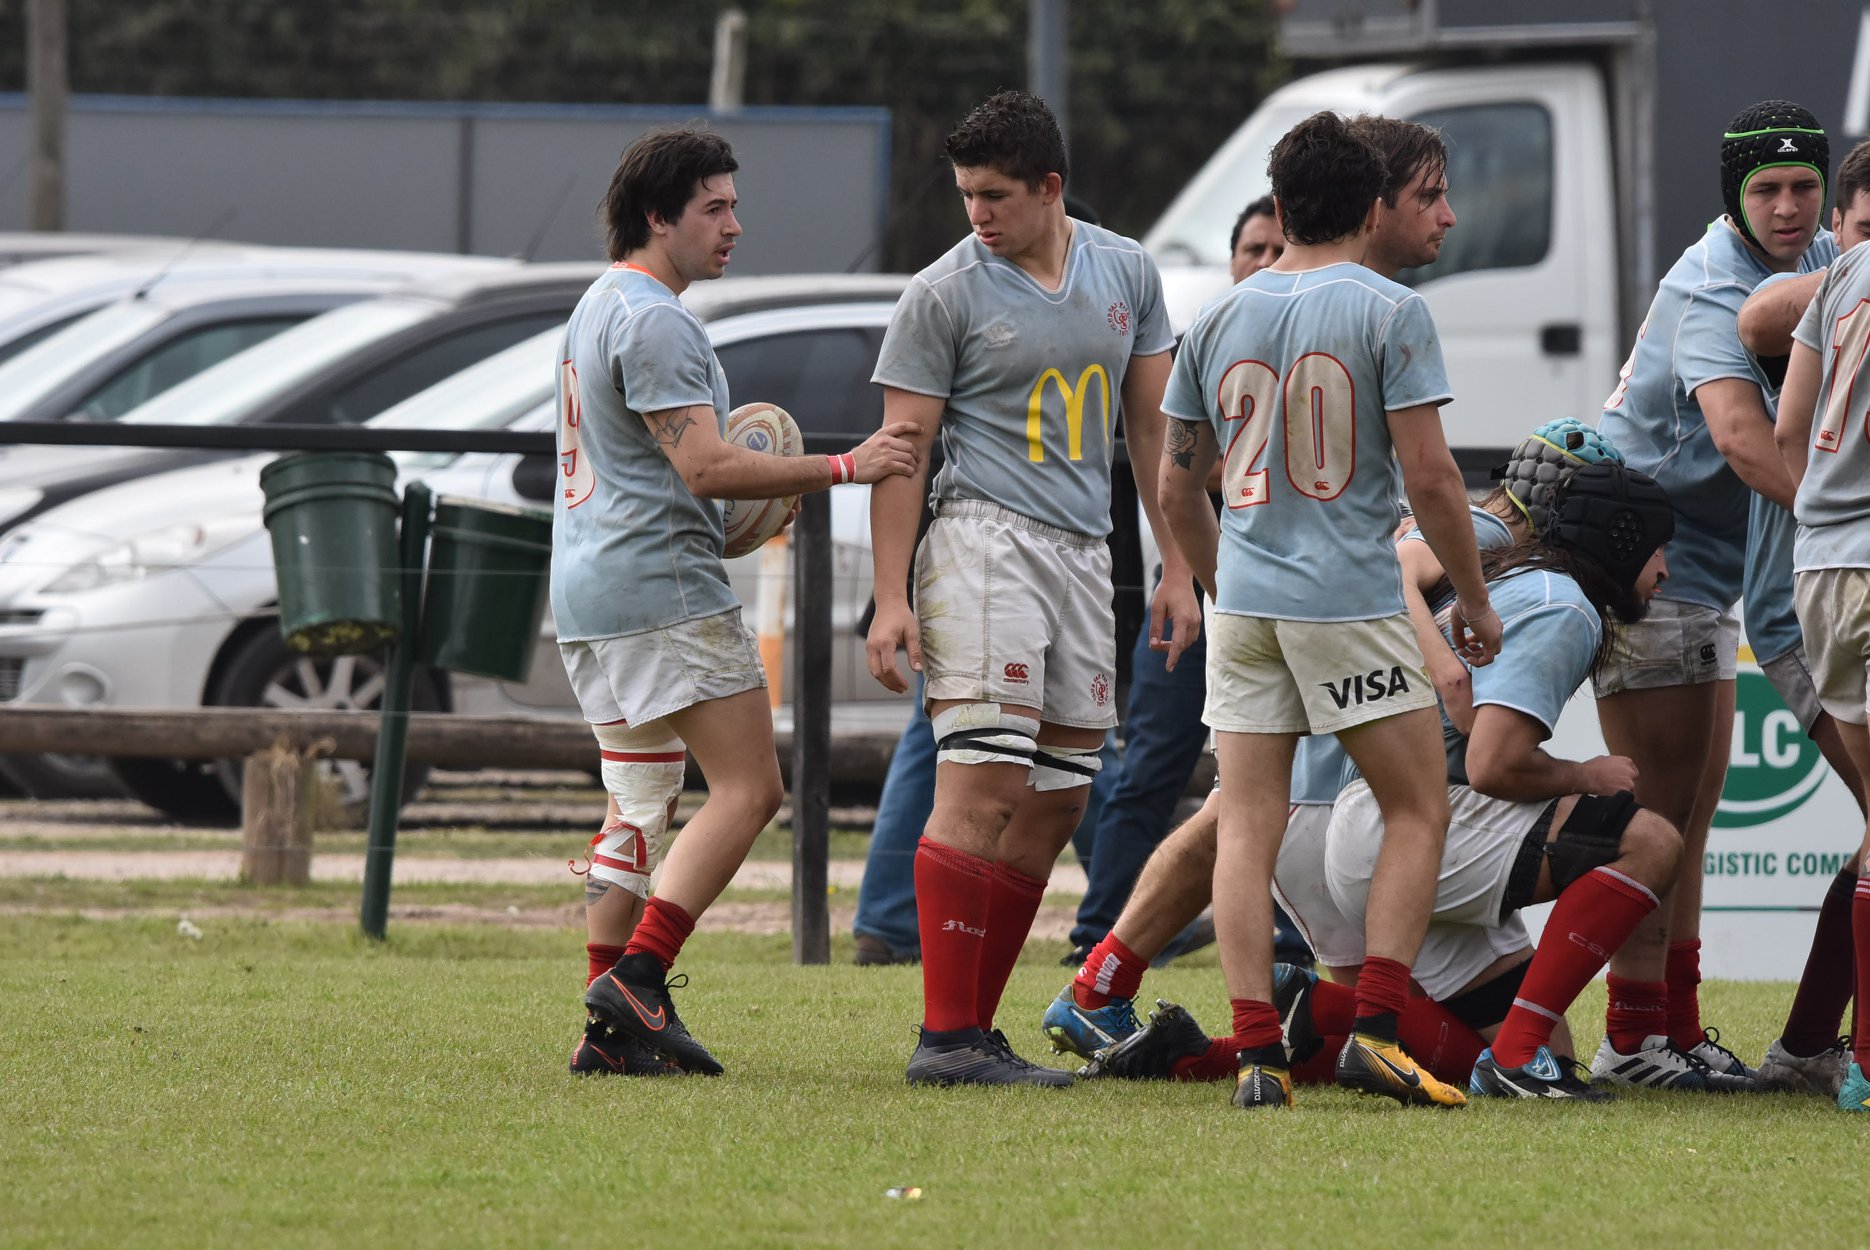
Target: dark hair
{"x":1012,"y":132}
{"x":1408,"y":149}
{"x":1262,"y":207}
{"x":1616,"y":604}
{"x":657,"y":176}
{"x":1325,"y":177}
{"x":1853,"y":176}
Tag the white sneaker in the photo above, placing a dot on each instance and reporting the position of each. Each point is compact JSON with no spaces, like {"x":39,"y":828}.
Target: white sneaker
{"x":1822,"y":1073}
{"x":1710,"y":1051}
{"x":1658,"y":1064}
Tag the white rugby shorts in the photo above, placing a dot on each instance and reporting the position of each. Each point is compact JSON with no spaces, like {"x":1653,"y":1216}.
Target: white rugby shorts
{"x":1017,"y":612}
{"x":638,"y":678}
{"x":1299,"y":886}
{"x":1465,"y":934}
{"x":1676,"y":644}
{"x":1834,"y":616}
{"x":1273,"y":676}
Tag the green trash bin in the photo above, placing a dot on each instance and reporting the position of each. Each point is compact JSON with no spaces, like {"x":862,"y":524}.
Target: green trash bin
{"x":332,"y":516}
{"x":489,"y":570}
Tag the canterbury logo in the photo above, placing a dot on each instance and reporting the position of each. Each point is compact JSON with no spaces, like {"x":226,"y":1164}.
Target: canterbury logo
{"x":1074,"y":411}
{"x":1786,"y":145}
{"x":1018,"y":673}
{"x":653,"y":1021}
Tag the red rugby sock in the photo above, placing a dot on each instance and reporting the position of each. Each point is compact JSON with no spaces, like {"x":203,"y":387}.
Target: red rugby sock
{"x":1594,"y":916}
{"x":951,"y":913}
{"x":1439,"y":1040}
{"x":1635,"y":1010}
{"x":601,"y":960}
{"x":1111,"y":970}
{"x":1012,"y":902}
{"x":1683,"y":976}
{"x":1860,"y":937}
{"x":1830,"y":974}
{"x":661,"y":932}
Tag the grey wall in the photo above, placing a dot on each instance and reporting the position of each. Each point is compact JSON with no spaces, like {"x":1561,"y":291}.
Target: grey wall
{"x":476,"y":178}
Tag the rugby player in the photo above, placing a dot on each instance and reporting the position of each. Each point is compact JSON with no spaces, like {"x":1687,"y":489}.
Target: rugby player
{"x":1021,"y":347}
{"x":648,"y":627}
{"x":1689,"y":409}
{"x":1307,"y":372}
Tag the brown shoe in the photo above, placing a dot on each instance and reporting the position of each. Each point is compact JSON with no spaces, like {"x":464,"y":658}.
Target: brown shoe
{"x":874,"y":952}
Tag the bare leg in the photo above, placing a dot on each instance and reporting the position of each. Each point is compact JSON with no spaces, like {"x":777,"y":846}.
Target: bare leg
{"x":1402,"y":759}
{"x":1252,"y":823}
{"x":1177,"y":881}
{"x":731,"y":740}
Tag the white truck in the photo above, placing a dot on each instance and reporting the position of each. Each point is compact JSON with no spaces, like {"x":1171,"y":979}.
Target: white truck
{"x":1583,"y":143}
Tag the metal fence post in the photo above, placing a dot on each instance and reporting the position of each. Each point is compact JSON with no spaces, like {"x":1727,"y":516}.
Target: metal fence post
{"x":386,"y":779}
{"x":811,"y":730}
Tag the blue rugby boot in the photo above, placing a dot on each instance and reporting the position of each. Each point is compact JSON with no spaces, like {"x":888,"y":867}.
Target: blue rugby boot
{"x":1085,"y":1032}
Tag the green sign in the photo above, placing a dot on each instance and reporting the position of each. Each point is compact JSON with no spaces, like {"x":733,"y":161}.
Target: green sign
{"x":1772,"y":767}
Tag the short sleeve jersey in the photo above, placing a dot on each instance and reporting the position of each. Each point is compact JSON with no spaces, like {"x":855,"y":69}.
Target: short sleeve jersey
{"x":1766,"y":598}
{"x":1033,"y":378}
{"x":1549,"y":635}
{"x":1833,"y":505}
{"x":1296,"y":373}
{"x":1688,"y":340}
{"x":632,"y":548}
{"x":1489,"y":530}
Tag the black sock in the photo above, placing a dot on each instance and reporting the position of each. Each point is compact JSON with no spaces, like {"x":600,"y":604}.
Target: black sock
{"x":1381,"y":1026}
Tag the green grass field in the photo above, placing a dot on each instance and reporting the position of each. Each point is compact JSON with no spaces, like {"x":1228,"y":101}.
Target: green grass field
{"x":287,"y":1084}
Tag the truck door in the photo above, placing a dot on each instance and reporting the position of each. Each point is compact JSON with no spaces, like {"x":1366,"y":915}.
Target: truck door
{"x":1523,"y":293}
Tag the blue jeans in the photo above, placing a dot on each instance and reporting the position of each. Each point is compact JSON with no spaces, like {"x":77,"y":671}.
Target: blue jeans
{"x":886,"y":902}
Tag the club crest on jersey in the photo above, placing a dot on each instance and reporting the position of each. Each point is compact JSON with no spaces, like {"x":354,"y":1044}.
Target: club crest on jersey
{"x":1100,"y":690}
{"x":1017,"y":674}
{"x":1361,"y":688}
{"x":1119,"y":317}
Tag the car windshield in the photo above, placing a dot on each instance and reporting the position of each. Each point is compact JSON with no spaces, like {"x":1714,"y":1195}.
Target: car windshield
{"x":42,"y":368}
{"x":488,"y":396}
{"x":225,"y":393}
{"x":1196,"y":229}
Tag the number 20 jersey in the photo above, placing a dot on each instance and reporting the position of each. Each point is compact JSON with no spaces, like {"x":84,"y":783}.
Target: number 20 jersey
{"x":1833,"y":504}
{"x":1032,"y":378}
{"x":1297,"y":372}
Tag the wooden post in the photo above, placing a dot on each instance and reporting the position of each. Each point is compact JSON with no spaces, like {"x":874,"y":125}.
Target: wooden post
{"x":47,"y":82}
{"x":279,"y":797}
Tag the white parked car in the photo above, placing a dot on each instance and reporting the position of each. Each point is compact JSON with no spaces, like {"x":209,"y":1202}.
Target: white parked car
{"x":161,"y":592}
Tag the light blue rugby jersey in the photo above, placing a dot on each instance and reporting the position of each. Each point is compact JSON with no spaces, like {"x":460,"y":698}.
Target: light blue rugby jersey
{"x":1688,"y":340}
{"x":1833,"y":505}
{"x":1306,"y":533}
{"x":1033,"y":378}
{"x":1549,"y":634}
{"x":632,"y":548}
{"x":1766,"y":600}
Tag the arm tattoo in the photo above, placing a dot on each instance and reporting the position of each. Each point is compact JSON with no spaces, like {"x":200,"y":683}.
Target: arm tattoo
{"x":668,"y":427}
{"x":1179,"y":446}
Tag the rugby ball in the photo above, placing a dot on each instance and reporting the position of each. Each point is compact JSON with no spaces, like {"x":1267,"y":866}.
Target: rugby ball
{"x":768,"y":428}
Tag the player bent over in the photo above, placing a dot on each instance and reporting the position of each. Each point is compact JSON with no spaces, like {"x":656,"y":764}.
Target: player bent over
{"x":1176,"y":883}
{"x":1824,"y":433}
{"x":648,"y":626}
{"x":1310,"y":374}
{"x":1017,"y":345}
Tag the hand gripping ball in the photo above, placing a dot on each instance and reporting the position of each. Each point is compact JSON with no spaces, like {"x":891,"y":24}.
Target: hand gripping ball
{"x":768,"y":428}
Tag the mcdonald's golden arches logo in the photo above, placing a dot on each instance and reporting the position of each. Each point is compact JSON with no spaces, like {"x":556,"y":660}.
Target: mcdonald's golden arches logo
{"x":1074,"y":411}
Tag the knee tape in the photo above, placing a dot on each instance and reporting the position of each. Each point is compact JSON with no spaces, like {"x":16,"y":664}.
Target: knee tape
{"x":980,"y":733}
{"x":642,"y":770}
{"x":1065,"y":768}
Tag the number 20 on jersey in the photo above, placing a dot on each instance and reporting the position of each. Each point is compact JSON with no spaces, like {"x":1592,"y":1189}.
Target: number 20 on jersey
{"x":1315,"y":404}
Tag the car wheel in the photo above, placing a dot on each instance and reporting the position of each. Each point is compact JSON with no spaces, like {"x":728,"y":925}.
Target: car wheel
{"x":189,"y":791}
{"x":262,"y":672}
{"x":61,"y":776}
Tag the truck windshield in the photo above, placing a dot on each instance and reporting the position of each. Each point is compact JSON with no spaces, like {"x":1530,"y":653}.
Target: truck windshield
{"x":1196,"y":229}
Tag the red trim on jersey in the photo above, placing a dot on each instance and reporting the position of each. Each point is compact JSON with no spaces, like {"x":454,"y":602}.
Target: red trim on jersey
{"x":619,"y":865}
